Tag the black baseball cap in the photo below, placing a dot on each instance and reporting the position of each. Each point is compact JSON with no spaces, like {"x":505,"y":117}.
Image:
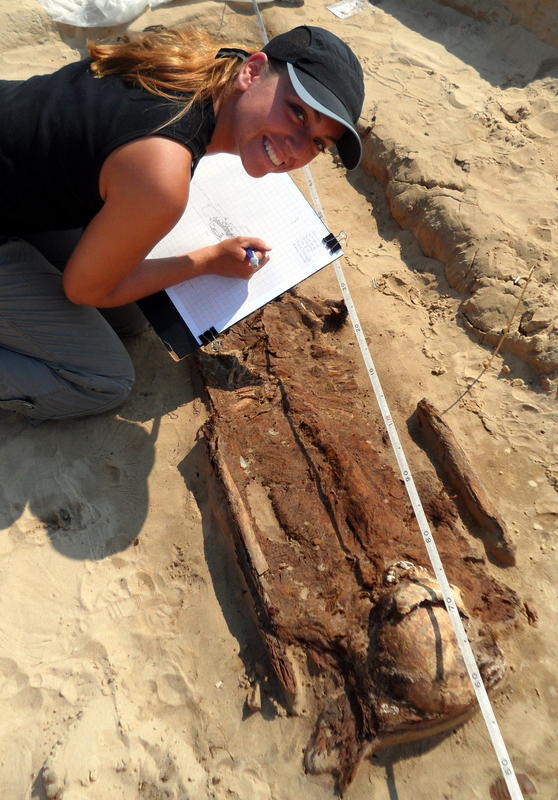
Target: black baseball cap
{"x":326,"y":75}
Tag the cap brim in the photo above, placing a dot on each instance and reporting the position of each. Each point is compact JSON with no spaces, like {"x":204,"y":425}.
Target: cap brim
{"x":318,"y":97}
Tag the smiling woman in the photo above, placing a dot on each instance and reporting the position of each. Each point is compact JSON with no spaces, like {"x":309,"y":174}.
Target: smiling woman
{"x":107,"y":146}
{"x":273,"y":130}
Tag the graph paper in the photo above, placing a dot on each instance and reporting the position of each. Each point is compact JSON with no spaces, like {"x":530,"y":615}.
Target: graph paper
{"x":226,"y":202}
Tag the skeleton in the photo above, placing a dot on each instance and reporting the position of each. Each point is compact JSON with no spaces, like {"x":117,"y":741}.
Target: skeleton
{"x":352,"y":619}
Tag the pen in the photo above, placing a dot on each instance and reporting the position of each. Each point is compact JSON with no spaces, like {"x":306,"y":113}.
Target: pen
{"x":252,"y":258}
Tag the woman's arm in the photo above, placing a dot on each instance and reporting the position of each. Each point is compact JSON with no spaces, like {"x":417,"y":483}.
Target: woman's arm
{"x":145,"y":187}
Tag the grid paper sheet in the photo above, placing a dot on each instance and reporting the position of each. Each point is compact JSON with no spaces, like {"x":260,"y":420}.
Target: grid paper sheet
{"x":226,"y":202}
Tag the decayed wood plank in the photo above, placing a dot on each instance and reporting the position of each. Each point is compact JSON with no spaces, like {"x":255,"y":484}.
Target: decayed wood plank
{"x":239,"y":511}
{"x":281,"y":662}
{"x":456,"y":466}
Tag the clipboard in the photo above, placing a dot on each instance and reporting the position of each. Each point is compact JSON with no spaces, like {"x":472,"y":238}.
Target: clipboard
{"x":226,"y":202}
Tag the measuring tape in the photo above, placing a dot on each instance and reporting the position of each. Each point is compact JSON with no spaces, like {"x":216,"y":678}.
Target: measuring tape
{"x":449,"y":601}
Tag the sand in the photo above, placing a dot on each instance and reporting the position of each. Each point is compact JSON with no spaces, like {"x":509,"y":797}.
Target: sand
{"x":127,"y":650}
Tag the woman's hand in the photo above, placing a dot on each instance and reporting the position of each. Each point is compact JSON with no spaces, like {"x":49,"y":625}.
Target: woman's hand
{"x":229,"y":258}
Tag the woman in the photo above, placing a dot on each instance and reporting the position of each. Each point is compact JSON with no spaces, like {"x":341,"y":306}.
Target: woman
{"x":109,"y":145}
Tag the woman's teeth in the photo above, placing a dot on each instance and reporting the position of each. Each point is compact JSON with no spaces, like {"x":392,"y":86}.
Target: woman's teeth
{"x":275,"y":160}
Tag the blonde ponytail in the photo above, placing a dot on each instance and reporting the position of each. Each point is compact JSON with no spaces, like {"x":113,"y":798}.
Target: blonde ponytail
{"x":169,"y":62}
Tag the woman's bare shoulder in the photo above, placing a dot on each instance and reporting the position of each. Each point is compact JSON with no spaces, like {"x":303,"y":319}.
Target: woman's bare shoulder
{"x":154,"y":165}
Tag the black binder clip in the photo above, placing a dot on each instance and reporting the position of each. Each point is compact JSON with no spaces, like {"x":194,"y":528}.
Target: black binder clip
{"x":208,"y":336}
{"x":332,"y":243}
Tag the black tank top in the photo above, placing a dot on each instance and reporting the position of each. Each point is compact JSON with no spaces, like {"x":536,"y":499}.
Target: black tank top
{"x":57,"y":130}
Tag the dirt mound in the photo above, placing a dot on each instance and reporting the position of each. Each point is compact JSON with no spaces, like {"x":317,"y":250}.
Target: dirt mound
{"x":469,"y":165}
{"x":538,"y":16}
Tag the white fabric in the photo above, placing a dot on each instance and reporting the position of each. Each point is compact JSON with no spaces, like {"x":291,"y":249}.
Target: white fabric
{"x":97,"y":13}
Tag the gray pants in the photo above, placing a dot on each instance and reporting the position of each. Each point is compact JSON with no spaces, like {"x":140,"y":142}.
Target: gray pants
{"x":57,"y":359}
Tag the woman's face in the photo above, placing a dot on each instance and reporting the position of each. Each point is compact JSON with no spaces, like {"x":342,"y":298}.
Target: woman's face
{"x":274,"y":130}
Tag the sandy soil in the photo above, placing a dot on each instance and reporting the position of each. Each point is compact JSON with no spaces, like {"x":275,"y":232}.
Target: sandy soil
{"x":126,"y":647}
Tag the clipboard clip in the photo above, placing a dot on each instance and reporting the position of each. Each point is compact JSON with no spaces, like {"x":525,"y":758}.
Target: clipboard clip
{"x":210,"y":335}
{"x":333,"y":242}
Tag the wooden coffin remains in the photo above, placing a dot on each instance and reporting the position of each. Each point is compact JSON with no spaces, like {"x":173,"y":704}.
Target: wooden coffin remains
{"x":346,"y":602}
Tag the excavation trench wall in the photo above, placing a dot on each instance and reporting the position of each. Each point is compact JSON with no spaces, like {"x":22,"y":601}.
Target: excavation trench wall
{"x":469,"y":165}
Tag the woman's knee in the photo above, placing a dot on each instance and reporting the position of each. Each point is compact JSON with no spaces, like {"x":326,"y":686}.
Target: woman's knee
{"x":90,"y":394}
{"x":73,"y":396}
